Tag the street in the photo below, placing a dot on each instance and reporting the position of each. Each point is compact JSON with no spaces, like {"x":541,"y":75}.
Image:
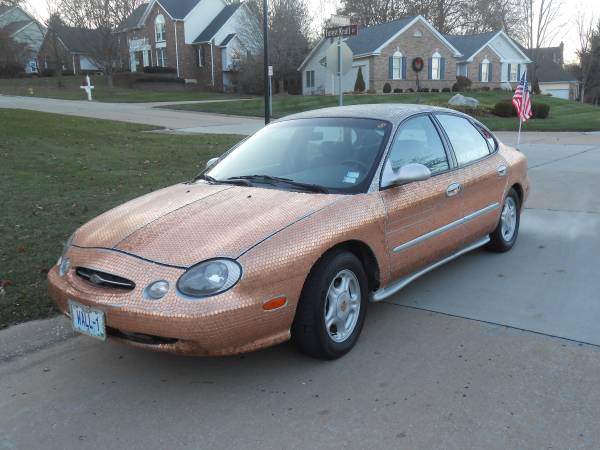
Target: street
{"x":488,"y":352}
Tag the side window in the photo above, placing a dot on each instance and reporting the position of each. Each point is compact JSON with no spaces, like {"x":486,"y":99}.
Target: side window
{"x":468,"y":143}
{"x":419,"y":142}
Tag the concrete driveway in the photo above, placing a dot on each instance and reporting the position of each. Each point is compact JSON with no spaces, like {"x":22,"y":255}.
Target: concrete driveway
{"x":143,"y":113}
{"x":465,"y":358}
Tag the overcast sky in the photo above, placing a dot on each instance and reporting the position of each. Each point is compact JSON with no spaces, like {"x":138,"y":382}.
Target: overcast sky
{"x":323,"y":8}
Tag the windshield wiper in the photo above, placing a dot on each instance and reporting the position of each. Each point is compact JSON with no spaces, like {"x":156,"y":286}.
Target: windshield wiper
{"x":272,"y":180}
{"x":208,"y":178}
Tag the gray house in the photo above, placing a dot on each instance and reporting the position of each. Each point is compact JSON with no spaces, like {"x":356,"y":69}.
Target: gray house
{"x":24,"y":29}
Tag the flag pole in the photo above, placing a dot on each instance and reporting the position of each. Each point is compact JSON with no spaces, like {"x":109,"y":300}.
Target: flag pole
{"x":519,"y":135}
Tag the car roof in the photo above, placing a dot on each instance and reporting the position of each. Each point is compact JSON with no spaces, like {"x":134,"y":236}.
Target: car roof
{"x":393,"y":112}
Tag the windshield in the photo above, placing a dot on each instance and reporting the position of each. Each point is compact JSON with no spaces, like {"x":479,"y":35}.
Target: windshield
{"x":338,"y":154}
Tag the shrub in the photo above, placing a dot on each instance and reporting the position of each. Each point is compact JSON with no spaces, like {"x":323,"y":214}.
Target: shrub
{"x":497,"y":88}
{"x":398,"y":91}
{"x":505,"y":108}
{"x":371,"y":91}
{"x":156,"y":79}
{"x":410,"y":90}
{"x":540,"y":110}
{"x":423,"y":90}
{"x":446,"y":89}
{"x":159,"y":69}
{"x":10,"y":70}
{"x":387,"y":88}
{"x":462,"y":84}
{"x":435,"y":90}
{"x":485,"y":88}
{"x":359,"y":85}
{"x":536,"y":87}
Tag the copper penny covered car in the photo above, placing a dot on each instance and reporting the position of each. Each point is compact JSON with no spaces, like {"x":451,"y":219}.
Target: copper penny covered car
{"x":293,"y":231}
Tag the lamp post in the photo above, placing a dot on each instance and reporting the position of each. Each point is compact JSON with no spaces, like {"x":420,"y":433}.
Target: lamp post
{"x":266,"y":61}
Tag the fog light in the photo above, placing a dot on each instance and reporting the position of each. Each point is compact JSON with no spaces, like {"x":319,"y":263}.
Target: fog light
{"x":64,"y":266}
{"x":157,"y":290}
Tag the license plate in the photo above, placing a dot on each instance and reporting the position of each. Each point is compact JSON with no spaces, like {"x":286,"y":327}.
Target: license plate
{"x":87,"y":320}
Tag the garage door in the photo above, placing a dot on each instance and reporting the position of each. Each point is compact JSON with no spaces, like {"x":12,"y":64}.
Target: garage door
{"x":560,"y":93}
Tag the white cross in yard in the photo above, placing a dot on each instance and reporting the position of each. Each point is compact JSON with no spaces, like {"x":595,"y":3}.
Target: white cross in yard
{"x":88,"y":88}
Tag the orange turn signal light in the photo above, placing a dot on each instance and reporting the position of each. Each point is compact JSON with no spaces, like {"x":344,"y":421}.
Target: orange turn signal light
{"x":274,"y":303}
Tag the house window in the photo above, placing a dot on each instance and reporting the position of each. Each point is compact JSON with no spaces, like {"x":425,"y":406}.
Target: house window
{"x":310,"y":78}
{"x":485,"y":71}
{"x":436,"y":66}
{"x":159,"y":28}
{"x":397,"y":66}
{"x":201,"y":57}
{"x":514,"y":72}
{"x":161,"y":57}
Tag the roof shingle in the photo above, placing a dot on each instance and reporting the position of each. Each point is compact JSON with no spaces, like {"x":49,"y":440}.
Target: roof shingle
{"x":134,"y":18}
{"x":371,"y":38}
{"x":216,"y":24}
{"x":178,"y":9}
{"x":469,"y":44}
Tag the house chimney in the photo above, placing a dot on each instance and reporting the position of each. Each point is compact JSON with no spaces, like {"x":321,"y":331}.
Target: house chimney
{"x":562,"y":51}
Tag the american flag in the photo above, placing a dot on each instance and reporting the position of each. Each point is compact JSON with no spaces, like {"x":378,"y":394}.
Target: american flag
{"x":522,"y":99}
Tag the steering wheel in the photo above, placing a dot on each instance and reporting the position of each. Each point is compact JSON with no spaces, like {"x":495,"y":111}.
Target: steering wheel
{"x":355,"y":162}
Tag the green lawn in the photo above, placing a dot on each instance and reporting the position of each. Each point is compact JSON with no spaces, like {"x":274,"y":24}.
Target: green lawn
{"x":48,"y":87}
{"x":65,"y":170}
{"x":564,"y":115}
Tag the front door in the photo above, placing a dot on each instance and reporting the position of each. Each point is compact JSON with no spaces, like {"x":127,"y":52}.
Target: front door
{"x":482,"y":174}
{"x":423,"y":217}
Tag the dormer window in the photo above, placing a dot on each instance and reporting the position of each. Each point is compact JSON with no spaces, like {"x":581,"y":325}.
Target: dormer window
{"x":159,"y":28}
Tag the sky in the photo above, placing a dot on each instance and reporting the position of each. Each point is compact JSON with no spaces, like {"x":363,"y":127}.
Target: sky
{"x":566,"y":32}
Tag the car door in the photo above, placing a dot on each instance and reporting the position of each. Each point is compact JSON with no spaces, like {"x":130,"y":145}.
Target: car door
{"x":482,"y":173}
{"x":423,"y":217}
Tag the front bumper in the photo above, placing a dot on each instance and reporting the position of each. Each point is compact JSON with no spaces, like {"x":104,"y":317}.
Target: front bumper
{"x":229,"y":323}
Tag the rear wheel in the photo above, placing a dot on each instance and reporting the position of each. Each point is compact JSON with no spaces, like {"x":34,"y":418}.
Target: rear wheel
{"x":332,"y":307}
{"x":503,"y":238}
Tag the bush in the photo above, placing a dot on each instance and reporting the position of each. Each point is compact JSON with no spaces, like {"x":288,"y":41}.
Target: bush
{"x":485,"y":88}
{"x":151,"y":79}
{"x":462,"y":84}
{"x":398,"y":91}
{"x":159,"y":69}
{"x":505,"y":108}
{"x":435,"y":90}
{"x":446,"y":89}
{"x":540,"y":110}
{"x":387,"y":88}
{"x":359,"y":85}
{"x":536,"y":87}
{"x":371,"y":91}
{"x":410,"y":90}
{"x":10,"y":70}
{"x":497,"y":88}
{"x":423,"y":90}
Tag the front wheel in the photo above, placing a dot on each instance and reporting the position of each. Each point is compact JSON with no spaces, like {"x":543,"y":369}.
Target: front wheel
{"x":332,"y":307}
{"x":503,"y":238}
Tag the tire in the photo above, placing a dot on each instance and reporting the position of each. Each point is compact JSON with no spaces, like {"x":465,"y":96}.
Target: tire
{"x":324,"y":293}
{"x":503,"y":238}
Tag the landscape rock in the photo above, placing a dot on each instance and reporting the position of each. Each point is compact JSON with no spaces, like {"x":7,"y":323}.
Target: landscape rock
{"x":461,"y":100}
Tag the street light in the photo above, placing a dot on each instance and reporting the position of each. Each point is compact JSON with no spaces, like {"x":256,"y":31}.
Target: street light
{"x":266,"y":60}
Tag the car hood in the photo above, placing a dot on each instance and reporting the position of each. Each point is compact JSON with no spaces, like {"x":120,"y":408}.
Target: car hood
{"x":188,"y":223}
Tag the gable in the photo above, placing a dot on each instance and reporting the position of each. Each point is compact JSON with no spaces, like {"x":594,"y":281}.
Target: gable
{"x":507,"y":49}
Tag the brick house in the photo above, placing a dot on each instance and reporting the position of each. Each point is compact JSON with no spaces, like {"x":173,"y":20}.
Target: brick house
{"x":385,"y":52}
{"x":204,"y":41}
{"x":24,"y":29}
{"x":70,"y":49}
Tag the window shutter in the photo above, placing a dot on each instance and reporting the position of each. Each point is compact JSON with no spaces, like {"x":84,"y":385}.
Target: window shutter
{"x":198,"y":56}
{"x":390,"y":67}
{"x":518,"y":72}
{"x":509,"y":71}
{"x":429,"y":68}
{"x":442,"y":68}
{"x":490,"y":72}
{"x":404,"y":67}
{"x":480,"y":70}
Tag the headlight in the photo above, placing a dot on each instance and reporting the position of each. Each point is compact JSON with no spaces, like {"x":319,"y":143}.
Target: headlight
{"x":157,"y":290}
{"x":209,"y":278}
{"x":65,"y":248}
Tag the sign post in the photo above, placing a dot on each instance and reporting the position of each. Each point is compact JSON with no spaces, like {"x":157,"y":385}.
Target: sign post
{"x":340,"y":64}
{"x":266,"y":61}
{"x":270,"y":90}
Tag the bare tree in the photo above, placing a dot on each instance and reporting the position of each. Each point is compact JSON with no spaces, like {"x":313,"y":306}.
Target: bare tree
{"x":103,"y":17}
{"x":585,"y":30}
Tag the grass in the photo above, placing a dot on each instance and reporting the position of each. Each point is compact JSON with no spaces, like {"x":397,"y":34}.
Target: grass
{"x":565,"y":115}
{"x":63,"y":171}
{"x":48,"y":87}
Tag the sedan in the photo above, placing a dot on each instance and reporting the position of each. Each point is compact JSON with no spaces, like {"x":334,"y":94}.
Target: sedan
{"x":292,"y":233}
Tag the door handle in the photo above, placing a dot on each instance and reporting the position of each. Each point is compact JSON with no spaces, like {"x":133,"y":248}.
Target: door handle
{"x":502,"y":170}
{"x":453,"y":189}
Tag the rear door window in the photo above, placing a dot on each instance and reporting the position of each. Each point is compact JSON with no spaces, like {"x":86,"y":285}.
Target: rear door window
{"x":468,"y":143}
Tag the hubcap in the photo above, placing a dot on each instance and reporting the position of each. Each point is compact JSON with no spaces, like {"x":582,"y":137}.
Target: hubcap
{"x":342,"y":305}
{"x":508,"y":219}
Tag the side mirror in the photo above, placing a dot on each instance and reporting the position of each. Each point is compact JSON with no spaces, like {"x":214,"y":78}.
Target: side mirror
{"x":407,"y":174}
{"x":211,"y":162}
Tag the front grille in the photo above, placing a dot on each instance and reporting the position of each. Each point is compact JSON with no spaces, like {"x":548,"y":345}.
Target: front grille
{"x":140,"y":337}
{"x":104,"y":279}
